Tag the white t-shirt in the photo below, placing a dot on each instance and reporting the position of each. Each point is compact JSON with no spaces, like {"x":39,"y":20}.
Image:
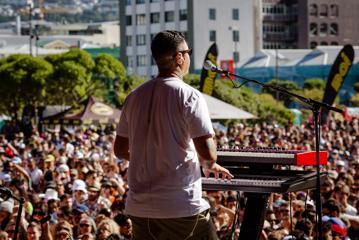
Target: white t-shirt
{"x":160,"y":118}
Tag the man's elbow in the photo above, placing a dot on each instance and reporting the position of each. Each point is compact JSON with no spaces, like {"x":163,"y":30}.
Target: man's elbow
{"x":121,"y":147}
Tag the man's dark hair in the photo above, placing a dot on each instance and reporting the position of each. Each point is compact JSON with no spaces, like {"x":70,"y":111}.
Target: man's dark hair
{"x":164,"y":45}
{"x":332,"y":206}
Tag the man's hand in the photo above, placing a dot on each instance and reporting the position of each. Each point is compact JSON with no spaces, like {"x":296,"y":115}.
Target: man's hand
{"x":218,"y":172}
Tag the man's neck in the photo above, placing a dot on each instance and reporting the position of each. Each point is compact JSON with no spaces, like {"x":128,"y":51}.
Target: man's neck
{"x":168,"y":74}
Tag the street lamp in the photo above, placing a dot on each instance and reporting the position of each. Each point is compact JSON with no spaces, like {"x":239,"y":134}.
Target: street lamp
{"x":235,"y":39}
{"x":30,"y":3}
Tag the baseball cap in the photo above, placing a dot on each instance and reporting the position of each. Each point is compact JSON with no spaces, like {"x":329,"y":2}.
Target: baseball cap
{"x":340,"y":163}
{"x":79,"y":185}
{"x":96,"y":186}
{"x":50,"y":158}
{"x":63,"y":160}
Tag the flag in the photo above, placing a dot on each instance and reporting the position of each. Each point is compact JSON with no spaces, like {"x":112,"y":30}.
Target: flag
{"x":207,"y":76}
{"x":338,"y":72}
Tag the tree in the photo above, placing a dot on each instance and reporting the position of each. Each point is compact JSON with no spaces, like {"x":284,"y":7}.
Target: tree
{"x":193,"y":80}
{"x":264,"y":106}
{"x":109,"y":72}
{"x":71,"y":81}
{"x":356,"y":87}
{"x":126,"y":86}
{"x":314,"y":83}
{"x":286,"y":84}
{"x":23,"y":80}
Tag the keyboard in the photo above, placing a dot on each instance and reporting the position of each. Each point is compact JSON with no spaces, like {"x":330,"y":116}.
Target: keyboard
{"x":279,"y":181}
{"x":272,"y":156}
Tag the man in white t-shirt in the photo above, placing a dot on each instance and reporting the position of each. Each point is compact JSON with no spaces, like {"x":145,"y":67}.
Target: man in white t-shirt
{"x":166,"y":134}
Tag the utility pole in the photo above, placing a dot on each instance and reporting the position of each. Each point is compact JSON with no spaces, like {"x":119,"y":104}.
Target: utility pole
{"x":31,"y":5}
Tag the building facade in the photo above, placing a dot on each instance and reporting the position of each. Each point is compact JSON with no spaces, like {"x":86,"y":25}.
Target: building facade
{"x":327,"y":22}
{"x":309,"y":23}
{"x":231,"y":24}
{"x":279,"y":24}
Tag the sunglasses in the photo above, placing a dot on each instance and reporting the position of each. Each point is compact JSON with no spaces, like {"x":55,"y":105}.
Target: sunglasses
{"x":189,"y":51}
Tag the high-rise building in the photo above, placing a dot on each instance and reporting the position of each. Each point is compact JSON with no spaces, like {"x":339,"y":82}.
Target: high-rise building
{"x":279,"y":24}
{"x":327,"y":22}
{"x":309,"y":23}
{"x":232,"y":24}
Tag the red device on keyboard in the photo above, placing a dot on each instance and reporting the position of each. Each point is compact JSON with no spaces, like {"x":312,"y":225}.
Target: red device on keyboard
{"x":272,"y":156}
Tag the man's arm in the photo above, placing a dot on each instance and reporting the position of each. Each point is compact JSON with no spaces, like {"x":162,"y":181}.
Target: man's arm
{"x":121,"y":147}
{"x":207,"y":151}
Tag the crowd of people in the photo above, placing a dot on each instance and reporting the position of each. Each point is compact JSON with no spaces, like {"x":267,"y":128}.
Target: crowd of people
{"x":75,"y":188}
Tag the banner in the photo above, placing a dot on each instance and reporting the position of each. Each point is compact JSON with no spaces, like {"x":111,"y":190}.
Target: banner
{"x":338,"y":72}
{"x":227,"y":65}
{"x":207,"y":76}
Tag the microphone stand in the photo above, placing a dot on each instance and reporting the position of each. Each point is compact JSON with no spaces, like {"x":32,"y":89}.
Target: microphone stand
{"x":315,"y":107}
{"x":21,"y":200}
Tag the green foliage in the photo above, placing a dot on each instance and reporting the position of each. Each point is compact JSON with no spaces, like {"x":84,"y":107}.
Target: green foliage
{"x":287,"y":85}
{"x":23,"y":80}
{"x":109,"y":67}
{"x":126,"y":86}
{"x":314,"y":83}
{"x":193,"y":80}
{"x":72,"y":77}
{"x":355,"y":100}
{"x":264,"y":106}
{"x":356,"y":87}
{"x":314,"y":93}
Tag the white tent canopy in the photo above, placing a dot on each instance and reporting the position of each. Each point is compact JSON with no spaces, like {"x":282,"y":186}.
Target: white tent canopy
{"x":222,"y":110}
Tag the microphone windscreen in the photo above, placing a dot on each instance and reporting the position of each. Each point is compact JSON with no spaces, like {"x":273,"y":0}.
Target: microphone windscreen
{"x":208,"y":65}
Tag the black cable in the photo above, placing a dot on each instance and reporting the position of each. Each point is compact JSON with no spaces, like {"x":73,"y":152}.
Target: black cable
{"x":290,"y":214}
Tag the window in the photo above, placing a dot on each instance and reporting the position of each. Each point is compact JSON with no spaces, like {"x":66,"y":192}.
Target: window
{"x":324,"y":43}
{"x":235,"y":34}
{"x":334,"y":43}
{"x":333,"y":29}
{"x":128,"y":20}
{"x":155,"y":17}
{"x":236,"y":57}
{"x":313,"y":29}
{"x":169,"y":16}
{"x":141,"y":60}
{"x":323,"y":29}
{"x":313,"y":10}
{"x":141,"y":40}
{"x":334,"y":10}
{"x":212,"y":14}
{"x":128,"y":41}
{"x":140,"y":19}
{"x":323,"y":10}
{"x":212,"y":36}
{"x":128,"y":2}
{"x":235,"y":14}
{"x":183,"y":14}
{"x":140,"y":1}
{"x":152,"y":1}
{"x":313,"y":45}
{"x":130,"y":61}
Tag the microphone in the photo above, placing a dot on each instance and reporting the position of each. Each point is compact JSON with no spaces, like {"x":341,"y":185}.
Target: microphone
{"x":208,"y":65}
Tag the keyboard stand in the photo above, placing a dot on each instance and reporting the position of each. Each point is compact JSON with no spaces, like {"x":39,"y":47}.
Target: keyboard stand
{"x":254,"y":215}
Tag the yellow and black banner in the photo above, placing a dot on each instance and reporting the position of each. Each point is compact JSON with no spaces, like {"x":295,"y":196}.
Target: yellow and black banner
{"x":338,"y":72}
{"x":207,"y":76}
